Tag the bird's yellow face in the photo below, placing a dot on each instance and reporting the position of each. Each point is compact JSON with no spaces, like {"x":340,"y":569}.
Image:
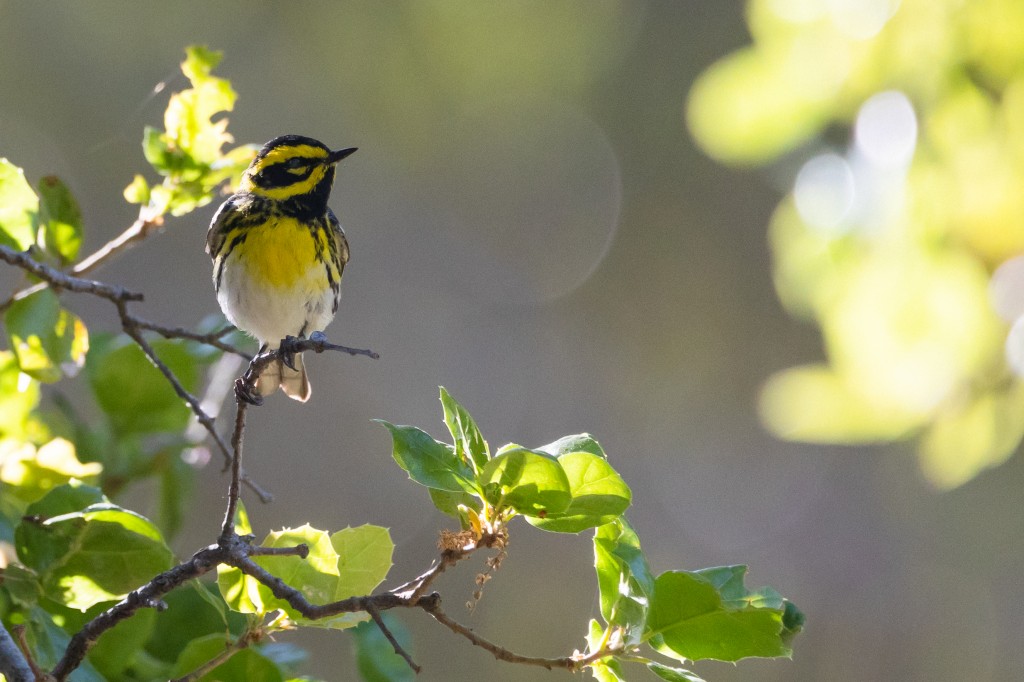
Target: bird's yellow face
{"x":290,"y":167}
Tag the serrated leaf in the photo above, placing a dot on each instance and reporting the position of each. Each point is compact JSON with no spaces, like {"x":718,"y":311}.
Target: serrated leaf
{"x":376,"y":659}
{"x":599,"y":495}
{"x":427,"y":461}
{"x":90,"y":555}
{"x":689,"y":620}
{"x":60,"y":219}
{"x":19,"y":208}
{"x":529,"y":482}
{"x":47,"y":340}
{"x":243,"y":666}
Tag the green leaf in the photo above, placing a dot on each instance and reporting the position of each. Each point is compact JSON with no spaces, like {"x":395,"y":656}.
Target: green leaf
{"x":470,"y":445}
{"x":138,"y":191}
{"x":624,"y":579}
{"x":133,"y":393}
{"x":194,"y":610}
{"x":427,"y":461}
{"x":19,"y":396}
{"x":599,"y":495}
{"x":351,"y":562}
{"x":22,"y":584}
{"x":32,"y":472}
{"x":47,"y":340}
{"x":48,"y":642}
{"x":605,"y":669}
{"x":448,"y":502}
{"x":376,"y":659}
{"x":60,"y":218}
{"x":117,"y":650}
{"x":90,"y":555}
{"x":243,"y":666}
{"x":529,"y":482}
{"x":580,"y":442}
{"x":673,"y":674}
{"x":689,"y":619}
{"x":19,"y":208}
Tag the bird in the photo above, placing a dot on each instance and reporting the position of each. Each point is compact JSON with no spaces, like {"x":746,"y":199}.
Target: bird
{"x":278,"y":254}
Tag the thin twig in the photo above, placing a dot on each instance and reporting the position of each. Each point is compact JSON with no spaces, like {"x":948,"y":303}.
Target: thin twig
{"x":574,"y":663}
{"x":227,"y":529}
{"x":301,"y":551}
{"x":375,"y":615}
{"x":211,"y":339}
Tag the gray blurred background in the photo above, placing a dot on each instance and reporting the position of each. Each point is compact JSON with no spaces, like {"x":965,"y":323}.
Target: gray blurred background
{"x":531,"y":227}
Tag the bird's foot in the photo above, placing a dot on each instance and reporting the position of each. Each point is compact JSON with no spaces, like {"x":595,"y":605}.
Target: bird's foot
{"x":246,"y":393}
{"x":288,"y":349}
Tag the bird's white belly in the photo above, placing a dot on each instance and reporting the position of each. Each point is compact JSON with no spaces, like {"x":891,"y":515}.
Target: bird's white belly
{"x":270,"y":312}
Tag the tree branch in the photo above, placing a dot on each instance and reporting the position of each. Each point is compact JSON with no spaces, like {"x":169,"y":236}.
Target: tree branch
{"x":137,"y":231}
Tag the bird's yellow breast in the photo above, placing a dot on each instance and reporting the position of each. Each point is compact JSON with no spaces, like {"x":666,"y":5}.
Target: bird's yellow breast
{"x":282,"y":252}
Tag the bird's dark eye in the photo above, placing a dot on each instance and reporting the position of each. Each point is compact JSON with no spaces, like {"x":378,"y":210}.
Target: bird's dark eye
{"x":284,"y":173}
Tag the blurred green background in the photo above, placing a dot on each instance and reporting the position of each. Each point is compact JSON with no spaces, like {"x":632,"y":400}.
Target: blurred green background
{"x":534,"y":226}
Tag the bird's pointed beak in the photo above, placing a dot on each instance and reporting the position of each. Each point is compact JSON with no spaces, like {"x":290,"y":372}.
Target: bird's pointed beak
{"x":335,"y":157}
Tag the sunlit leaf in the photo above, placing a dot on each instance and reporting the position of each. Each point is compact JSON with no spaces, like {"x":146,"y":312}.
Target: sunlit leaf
{"x":469,"y":442}
{"x":427,"y":461}
{"x":624,"y":579}
{"x":673,"y":674}
{"x":529,"y":482}
{"x":19,"y":396}
{"x":32,"y":472}
{"x":599,"y":495}
{"x":19,"y":208}
{"x":60,"y":219}
{"x":47,"y":340}
{"x":689,"y":619}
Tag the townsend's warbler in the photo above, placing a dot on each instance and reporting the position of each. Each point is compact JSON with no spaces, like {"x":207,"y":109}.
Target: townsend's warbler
{"x":278,"y":252}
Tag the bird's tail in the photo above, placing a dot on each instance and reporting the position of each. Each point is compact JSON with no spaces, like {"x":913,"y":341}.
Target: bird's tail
{"x":293,"y":382}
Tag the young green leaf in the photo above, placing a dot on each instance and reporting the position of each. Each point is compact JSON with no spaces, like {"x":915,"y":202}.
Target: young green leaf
{"x":689,"y":619}
{"x":624,"y":579}
{"x":60,"y":219}
{"x":47,"y":340}
{"x":427,"y":461}
{"x":599,"y":495}
{"x":673,"y":674}
{"x":19,"y":208}
{"x":469,"y":442}
{"x":531,"y":483}
{"x":580,"y":442}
